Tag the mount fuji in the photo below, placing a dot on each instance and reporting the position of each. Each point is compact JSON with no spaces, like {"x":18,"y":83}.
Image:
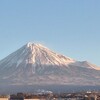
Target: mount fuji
{"x":35,"y":64}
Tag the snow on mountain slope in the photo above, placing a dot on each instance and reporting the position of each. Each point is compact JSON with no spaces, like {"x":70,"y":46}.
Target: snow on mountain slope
{"x":36,"y":54}
{"x":85,"y":64}
{"x":36,"y":64}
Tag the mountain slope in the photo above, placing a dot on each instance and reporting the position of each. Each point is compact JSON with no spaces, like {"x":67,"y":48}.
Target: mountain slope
{"x":36,"y":64}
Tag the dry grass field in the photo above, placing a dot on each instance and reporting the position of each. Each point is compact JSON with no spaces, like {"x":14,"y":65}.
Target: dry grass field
{"x":3,"y":98}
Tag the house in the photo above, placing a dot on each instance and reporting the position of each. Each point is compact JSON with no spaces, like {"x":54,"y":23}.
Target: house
{"x":16,"y":97}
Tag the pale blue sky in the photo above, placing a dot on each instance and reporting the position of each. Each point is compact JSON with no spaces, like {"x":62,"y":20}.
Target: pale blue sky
{"x":69,"y":27}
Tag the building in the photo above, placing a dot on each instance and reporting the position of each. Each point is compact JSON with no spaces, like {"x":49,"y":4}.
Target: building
{"x":19,"y":96}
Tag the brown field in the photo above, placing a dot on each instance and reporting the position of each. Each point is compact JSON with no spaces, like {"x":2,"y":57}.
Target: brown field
{"x":3,"y":98}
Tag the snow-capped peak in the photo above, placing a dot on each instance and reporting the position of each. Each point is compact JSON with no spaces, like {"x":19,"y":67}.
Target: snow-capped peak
{"x":36,"y":45}
{"x":34,"y":63}
{"x":42,"y":55}
{"x":37,"y":55}
{"x":30,"y":44}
